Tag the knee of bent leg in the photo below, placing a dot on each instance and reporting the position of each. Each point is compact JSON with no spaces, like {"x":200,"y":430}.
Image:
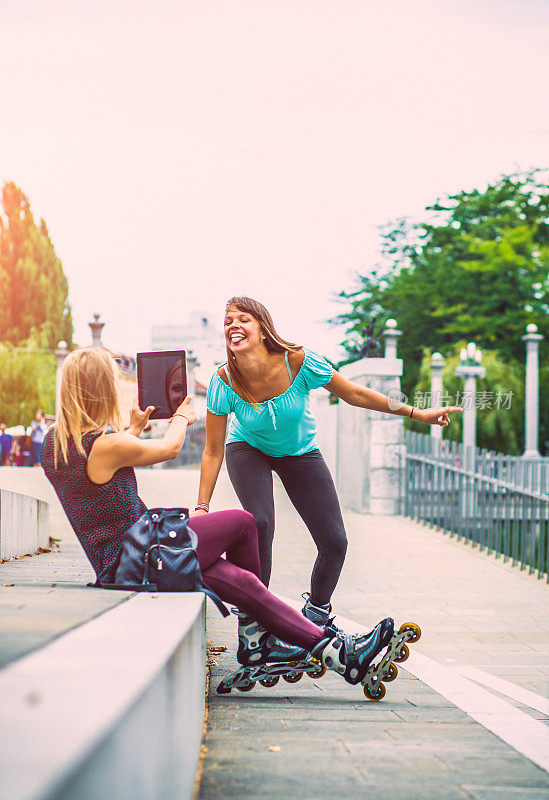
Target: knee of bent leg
{"x":265,"y":527}
{"x":246,"y":519}
{"x":337,"y":546}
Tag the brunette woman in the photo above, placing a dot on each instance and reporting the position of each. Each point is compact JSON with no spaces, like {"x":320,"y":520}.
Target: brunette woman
{"x":265,"y":384}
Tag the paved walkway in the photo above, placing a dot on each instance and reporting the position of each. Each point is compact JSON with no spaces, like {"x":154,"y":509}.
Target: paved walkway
{"x":484,"y":650}
{"x":322,"y":739}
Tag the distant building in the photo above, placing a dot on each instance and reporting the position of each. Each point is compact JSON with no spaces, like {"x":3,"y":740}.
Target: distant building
{"x":204,"y":345}
{"x":198,"y":337}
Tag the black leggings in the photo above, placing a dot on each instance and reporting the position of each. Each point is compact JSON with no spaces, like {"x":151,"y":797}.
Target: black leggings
{"x":311,"y":489}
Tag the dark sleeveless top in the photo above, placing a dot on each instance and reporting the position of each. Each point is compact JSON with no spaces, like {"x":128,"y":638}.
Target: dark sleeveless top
{"x":98,"y":513}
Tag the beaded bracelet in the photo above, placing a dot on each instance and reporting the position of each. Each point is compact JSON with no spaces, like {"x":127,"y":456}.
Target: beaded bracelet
{"x":202,"y":507}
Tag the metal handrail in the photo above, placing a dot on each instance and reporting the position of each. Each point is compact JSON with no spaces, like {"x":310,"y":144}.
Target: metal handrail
{"x":502,"y":513}
{"x":487,"y":478}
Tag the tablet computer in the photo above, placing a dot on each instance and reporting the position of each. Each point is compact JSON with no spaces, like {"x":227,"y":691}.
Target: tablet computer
{"x":162,"y":381}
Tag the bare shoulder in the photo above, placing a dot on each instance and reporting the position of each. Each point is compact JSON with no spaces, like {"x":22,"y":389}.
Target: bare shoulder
{"x":296,"y":359}
{"x":113,"y":443}
{"x":109,"y":452}
{"x":223,"y":375}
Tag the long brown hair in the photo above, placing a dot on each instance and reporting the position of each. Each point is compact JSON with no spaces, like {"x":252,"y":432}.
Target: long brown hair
{"x":89,"y":398}
{"x":273,"y":341}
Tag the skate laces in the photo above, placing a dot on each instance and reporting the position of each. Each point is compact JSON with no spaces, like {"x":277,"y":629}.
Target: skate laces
{"x":349,"y":644}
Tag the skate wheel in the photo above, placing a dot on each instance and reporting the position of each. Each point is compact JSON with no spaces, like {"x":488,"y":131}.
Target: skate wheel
{"x":293,"y":677}
{"x":317,"y":672}
{"x":391,"y":673}
{"x":272,"y":681}
{"x":375,"y":694}
{"x":411,"y":626}
{"x":247,"y":688}
{"x":402,"y":654}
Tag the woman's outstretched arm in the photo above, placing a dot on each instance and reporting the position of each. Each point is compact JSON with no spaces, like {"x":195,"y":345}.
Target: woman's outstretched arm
{"x":212,"y":458}
{"x":362,"y":397}
{"x":113,"y":451}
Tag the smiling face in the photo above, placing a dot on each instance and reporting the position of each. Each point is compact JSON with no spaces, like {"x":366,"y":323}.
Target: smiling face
{"x":175,"y":387}
{"x":242,"y":330}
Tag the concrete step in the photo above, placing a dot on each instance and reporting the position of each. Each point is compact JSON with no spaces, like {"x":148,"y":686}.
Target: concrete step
{"x":113,"y":708}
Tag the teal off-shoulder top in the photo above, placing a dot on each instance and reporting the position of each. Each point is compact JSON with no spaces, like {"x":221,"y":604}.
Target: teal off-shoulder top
{"x":282,"y":426}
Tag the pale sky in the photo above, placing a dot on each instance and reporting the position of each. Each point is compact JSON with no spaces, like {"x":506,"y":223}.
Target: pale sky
{"x":184,"y":152}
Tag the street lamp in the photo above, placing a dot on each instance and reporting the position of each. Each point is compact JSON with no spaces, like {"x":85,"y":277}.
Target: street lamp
{"x":61,"y":353}
{"x":470,"y":356}
{"x":470,"y":369}
{"x":96,"y":329}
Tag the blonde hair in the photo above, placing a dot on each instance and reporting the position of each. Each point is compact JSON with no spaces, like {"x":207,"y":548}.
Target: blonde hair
{"x":273,"y":341}
{"x":89,"y":398}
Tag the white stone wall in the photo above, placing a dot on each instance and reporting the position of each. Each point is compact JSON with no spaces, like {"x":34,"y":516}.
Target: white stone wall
{"x":353,"y":455}
{"x":23,"y":524}
{"x":326,"y":427}
{"x":370,"y":443}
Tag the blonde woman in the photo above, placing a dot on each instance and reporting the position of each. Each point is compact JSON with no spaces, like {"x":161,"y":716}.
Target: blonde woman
{"x":91,"y":469}
{"x":265,"y":384}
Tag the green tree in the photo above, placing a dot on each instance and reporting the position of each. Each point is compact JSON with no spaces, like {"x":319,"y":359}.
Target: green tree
{"x":475,"y":270}
{"x":27,"y":382}
{"x":33,"y":286}
{"x":35,"y":311}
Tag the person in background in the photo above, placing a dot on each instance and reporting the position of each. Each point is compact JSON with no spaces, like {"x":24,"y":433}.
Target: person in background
{"x":21,"y":451}
{"x":6,"y":444}
{"x":38,"y":430}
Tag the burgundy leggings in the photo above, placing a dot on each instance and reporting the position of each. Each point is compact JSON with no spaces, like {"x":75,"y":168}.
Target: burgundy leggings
{"x":236,"y":578}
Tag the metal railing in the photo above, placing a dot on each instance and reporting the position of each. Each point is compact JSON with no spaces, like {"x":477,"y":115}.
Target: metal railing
{"x":193,"y":447}
{"x":498,"y":502}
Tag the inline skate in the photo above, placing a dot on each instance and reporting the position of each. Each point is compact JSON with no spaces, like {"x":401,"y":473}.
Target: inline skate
{"x":266,"y":659}
{"x":320,"y":615}
{"x":353,"y":656}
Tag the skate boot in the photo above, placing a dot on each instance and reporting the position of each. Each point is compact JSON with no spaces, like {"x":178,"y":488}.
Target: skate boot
{"x":258,"y":646}
{"x":320,"y":615}
{"x":266,"y":659}
{"x":356,"y":656}
{"x":352,"y":654}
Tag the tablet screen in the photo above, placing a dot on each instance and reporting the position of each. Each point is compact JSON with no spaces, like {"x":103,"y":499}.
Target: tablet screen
{"x":162,"y":381}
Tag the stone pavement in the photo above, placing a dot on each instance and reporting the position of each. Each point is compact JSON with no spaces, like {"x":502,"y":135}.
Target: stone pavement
{"x":475,"y":612}
{"x":328,"y":740}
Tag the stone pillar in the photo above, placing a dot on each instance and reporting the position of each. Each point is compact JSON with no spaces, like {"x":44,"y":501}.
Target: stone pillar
{"x":390,"y":334}
{"x":369,"y":443}
{"x":437,"y":365}
{"x":61,"y":353}
{"x":531,"y":399}
{"x":325,"y":415}
{"x":96,"y":329}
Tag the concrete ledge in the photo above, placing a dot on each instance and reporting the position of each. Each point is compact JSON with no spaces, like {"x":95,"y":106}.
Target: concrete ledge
{"x":23,"y":524}
{"x":115,"y":708}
